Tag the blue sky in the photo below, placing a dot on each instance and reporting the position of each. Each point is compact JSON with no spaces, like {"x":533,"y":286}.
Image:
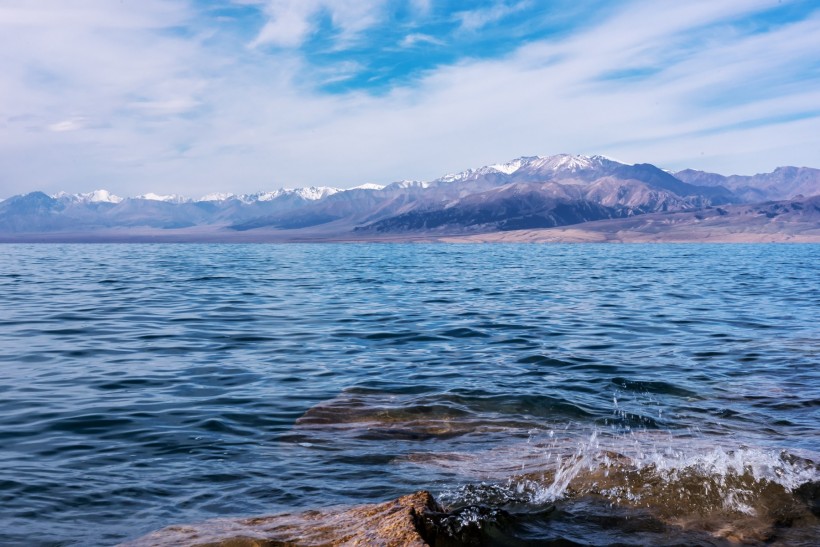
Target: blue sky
{"x":199,"y":96}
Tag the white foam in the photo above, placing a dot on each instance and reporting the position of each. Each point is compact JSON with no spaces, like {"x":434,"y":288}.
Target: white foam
{"x":551,"y":469}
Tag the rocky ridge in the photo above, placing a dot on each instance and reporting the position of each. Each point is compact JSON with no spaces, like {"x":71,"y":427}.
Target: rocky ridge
{"x":526,"y":193}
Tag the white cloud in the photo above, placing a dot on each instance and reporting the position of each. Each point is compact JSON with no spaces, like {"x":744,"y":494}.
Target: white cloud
{"x":422,"y":6}
{"x":71,"y":124}
{"x":338,"y":72}
{"x":288,"y":24}
{"x":167,"y":107}
{"x":474,"y":20}
{"x":146,"y":14}
{"x":292,"y":22}
{"x":91,"y":59}
{"x":418,"y":38}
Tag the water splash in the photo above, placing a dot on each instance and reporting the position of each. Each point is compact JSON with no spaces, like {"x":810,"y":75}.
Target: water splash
{"x":669,"y":476}
{"x":568,"y":469}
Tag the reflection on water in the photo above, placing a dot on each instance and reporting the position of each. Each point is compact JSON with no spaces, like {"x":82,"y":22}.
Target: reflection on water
{"x":625,"y":393}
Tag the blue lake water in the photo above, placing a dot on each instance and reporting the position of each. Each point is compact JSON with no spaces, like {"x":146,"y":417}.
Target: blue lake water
{"x":149,"y":385}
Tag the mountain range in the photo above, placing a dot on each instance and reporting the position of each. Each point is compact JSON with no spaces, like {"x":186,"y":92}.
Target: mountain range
{"x":525,"y":194}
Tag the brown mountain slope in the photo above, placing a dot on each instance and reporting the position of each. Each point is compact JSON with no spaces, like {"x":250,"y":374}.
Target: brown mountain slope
{"x":796,"y":221}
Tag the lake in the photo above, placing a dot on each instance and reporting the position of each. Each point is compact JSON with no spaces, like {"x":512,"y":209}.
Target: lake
{"x":626,"y":388}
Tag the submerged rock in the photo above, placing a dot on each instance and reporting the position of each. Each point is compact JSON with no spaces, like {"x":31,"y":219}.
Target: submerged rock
{"x":378,"y":416}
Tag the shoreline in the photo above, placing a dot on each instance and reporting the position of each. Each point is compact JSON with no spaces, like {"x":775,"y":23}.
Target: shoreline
{"x":563,"y":235}
{"x":679,"y":227}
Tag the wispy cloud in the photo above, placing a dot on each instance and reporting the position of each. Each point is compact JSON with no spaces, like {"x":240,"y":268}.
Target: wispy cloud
{"x":417,"y":38}
{"x":422,"y":6}
{"x":337,"y":72}
{"x":71,"y":124}
{"x":477,"y":19}
{"x":164,"y":107}
{"x":291,"y":22}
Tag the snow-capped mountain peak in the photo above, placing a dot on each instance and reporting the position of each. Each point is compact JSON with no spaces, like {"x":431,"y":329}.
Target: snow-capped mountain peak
{"x":169,"y":198}
{"x":567,"y":163}
{"x":510,"y":167}
{"x":100,"y":196}
{"x":315,"y":192}
{"x":217,"y":196}
{"x":560,"y":163}
{"x":403,"y":184}
{"x":262,"y":196}
{"x":311,"y":193}
{"x":97,"y":196}
{"x":470,"y":174}
{"x":368,"y":186}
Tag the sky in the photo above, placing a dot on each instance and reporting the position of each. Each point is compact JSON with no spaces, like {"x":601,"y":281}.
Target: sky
{"x":201,"y":96}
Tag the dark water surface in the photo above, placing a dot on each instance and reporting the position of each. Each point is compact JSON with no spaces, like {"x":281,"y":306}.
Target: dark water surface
{"x":148,"y":385}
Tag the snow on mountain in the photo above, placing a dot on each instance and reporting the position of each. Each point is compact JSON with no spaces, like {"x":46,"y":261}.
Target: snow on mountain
{"x":315,"y":192}
{"x":101,"y":196}
{"x":97,"y":196}
{"x":508,"y":168}
{"x":560,"y":163}
{"x":217,"y":196}
{"x":168,"y":198}
{"x":368,"y":186}
{"x":470,"y":174}
{"x":311,"y":193}
{"x":401,"y":184}
{"x":567,"y":162}
{"x":261,"y":196}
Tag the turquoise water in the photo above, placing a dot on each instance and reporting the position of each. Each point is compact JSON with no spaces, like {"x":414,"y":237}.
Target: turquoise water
{"x":149,"y":385}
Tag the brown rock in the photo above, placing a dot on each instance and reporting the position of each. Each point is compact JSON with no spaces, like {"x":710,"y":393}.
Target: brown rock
{"x":393,"y":523}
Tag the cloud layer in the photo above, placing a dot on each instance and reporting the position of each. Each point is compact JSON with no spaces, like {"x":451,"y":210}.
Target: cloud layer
{"x":240,"y":96}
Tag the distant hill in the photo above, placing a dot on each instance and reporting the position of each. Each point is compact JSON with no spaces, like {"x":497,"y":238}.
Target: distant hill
{"x":782,"y":183}
{"x":527,"y":193}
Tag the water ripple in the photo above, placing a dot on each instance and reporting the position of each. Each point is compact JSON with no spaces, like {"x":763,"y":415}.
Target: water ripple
{"x":145,"y":385}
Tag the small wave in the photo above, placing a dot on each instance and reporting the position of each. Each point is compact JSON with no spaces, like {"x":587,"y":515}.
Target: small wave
{"x":658,"y":387}
{"x":464,"y":332}
{"x":742,"y":493}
